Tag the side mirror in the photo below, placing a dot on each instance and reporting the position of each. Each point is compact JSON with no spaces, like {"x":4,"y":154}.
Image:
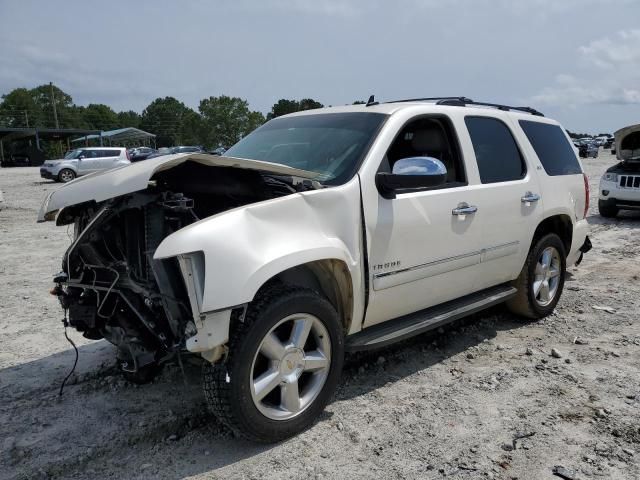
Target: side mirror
{"x":409,"y":174}
{"x":80,"y":157}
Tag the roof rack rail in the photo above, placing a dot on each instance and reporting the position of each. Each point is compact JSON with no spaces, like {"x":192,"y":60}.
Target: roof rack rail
{"x":530,"y":110}
{"x":464,"y":101}
{"x":431,"y":99}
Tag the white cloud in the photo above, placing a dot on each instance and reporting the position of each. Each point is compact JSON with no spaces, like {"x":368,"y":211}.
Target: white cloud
{"x":327,"y":8}
{"x":610,"y":74}
{"x":620,"y":51}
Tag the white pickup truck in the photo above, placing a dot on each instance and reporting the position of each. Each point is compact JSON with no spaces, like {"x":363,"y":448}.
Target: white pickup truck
{"x":325,"y":231}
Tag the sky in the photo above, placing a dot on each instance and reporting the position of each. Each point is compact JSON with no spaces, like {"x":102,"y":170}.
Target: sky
{"x":578,"y":61}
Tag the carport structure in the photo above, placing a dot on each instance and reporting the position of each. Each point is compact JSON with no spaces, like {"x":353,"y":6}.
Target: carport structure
{"x":37,"y":134}
{"x":122,"y":137}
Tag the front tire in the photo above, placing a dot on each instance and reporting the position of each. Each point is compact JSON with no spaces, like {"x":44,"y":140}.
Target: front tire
{"x":541,"y":280}
{"x":284,"y":363}
{"x":66,"y":175}
{"x":606,"y":210}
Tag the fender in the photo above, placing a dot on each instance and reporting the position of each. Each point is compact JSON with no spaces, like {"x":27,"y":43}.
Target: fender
{"x":245,"y":247}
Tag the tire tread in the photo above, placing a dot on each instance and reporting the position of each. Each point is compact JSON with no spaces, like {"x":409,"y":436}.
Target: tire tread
{"x":217,"y":389}
{"x":521,"y":303}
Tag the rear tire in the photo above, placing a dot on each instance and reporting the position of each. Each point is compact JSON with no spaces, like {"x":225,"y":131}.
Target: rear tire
{"x":606,"y":210}
{"x":253,"y":392}
{"x":541,"y":280}
{"x":66,"y":175}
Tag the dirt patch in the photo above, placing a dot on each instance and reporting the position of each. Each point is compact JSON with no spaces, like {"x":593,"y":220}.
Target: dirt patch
{"x":448,"y":404}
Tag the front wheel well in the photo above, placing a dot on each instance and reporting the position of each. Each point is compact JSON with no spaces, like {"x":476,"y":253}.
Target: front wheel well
{"x":330,"y":278}
{"x":561,"y":225}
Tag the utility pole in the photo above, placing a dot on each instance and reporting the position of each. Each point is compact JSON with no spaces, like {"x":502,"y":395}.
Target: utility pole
{"x":53,"y":104}
{"x":26,"y":119}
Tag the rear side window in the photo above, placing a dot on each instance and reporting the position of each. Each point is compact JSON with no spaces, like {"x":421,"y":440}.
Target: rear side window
{"x":552,"y":148}
{"x":91,"y":154}
{"x":110,"y":153}
{"x":497,"y":154}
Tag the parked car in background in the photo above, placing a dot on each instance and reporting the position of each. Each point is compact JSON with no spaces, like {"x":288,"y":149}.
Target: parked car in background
{"x":187,"y":149}
{"x":609,"y":142}
{"x":141,"y":153}
{"x":620,"y":188}
{"x":82,"y":161}
{"x":620,"y":184}
{"x":158,"y":154}
{"x":23,"y":156}
{"x":218,"y":151}
{"x":588,"y":149}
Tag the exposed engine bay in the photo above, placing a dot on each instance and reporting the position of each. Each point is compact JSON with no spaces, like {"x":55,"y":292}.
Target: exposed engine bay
{"x":110,"y":285}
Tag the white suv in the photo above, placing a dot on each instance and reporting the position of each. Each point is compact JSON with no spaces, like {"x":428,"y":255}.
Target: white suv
{"x":324,"y":231}
{"x":620,"y":184}
{"x":82,"y":161}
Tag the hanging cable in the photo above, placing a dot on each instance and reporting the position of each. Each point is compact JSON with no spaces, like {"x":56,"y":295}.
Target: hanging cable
{"x":65,"y":322}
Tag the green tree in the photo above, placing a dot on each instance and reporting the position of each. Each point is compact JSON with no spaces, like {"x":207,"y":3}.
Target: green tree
{"x":98,"y":116}
{"x":227,"y":120}
{"x":192,"y":130}
{"x":64,"y":106}
{"x":308,"y":104}
{"x":284,"y":107}
{"x":129,"y":119}
{"x":18,"y":109}
{"x":166,"y":117}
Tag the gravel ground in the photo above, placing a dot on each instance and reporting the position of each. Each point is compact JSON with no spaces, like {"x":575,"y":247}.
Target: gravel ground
{"x":448,"y":404}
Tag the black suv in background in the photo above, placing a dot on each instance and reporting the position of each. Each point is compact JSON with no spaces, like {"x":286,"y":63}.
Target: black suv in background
{"x":588,"y":149}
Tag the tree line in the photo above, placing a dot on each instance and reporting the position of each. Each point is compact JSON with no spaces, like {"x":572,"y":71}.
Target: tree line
{"x":218,"y":121}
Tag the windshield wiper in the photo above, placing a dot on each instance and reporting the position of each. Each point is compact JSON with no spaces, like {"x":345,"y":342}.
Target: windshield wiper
{"x":294,"y":184}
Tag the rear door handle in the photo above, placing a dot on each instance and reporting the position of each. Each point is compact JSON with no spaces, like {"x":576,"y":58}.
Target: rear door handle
{"x":464,"y":208}
{"x":530,"y":197}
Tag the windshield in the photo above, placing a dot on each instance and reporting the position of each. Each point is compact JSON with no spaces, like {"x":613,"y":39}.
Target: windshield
{"x":332,"y":144}
{"x":73,"y":154}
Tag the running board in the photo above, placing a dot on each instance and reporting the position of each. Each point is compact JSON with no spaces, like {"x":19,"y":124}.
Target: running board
{"x":419,"y":322}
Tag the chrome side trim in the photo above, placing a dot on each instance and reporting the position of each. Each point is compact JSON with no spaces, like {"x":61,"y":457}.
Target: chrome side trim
{"x":394,"y":278}
{"x":428,"y":264}
{"x":500,"y":251}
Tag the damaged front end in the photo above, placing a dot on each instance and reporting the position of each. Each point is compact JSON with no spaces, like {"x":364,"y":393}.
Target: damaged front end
{"x":111,"y":287}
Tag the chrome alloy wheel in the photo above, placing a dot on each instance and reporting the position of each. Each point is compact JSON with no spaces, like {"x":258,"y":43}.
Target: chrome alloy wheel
{"x":291,"y":366}
{"x":66,"y":175}
{"x":547,"y":276}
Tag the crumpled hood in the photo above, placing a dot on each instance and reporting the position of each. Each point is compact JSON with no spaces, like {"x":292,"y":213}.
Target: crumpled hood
{"x":113,"y":183}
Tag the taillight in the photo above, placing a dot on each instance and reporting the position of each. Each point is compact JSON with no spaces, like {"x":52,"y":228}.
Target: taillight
{"x":586,"y":195}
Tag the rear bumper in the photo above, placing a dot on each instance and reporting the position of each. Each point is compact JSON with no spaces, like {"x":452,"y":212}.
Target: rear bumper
{"x":580,"y":243}
{"x":586,"y":246}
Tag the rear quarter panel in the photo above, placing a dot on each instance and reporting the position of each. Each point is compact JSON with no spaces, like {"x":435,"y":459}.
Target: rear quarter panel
{"x":560,"y":194}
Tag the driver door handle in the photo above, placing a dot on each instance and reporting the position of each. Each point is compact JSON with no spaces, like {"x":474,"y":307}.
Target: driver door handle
{"x":530,"y":197}
{"x":464,"y":208}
